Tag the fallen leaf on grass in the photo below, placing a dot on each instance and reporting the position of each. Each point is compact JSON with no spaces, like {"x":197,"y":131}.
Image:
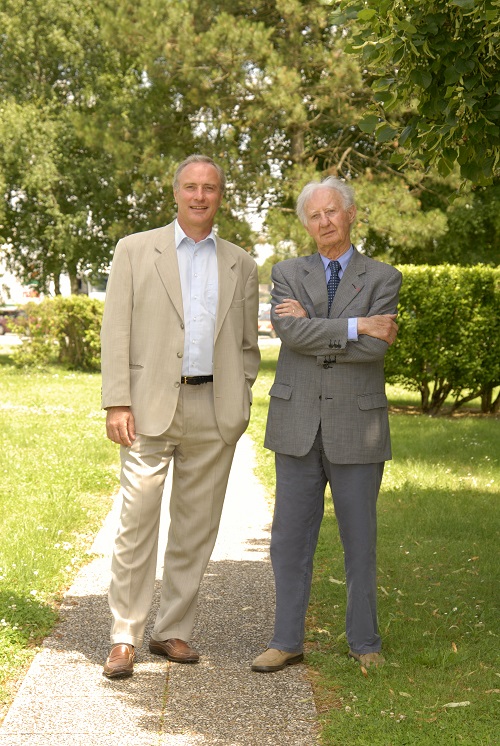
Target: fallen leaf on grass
{"x":457,"y":704}
{"x":454,"y":647}
{"x":364,"y":671}
{"x":492,"y":691}
{"x":338,"y":582}
{"x":404,"y":694}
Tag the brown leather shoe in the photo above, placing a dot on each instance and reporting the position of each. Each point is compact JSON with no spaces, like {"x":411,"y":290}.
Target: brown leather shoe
{"x":120,"y":662}
{"x":175,"y":650}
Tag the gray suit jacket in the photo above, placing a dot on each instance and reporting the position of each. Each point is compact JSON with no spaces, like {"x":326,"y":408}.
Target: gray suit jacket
{"x":143,"y":333}
{"x":321,"y":378}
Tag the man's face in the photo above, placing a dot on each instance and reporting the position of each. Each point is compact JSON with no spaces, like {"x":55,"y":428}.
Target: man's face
{"x":198,"y":198}
{"x":329,"y":223}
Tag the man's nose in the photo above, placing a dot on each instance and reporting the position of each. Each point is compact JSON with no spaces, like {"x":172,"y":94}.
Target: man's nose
{"x":323,"y":219}
{"x":199,"y":194}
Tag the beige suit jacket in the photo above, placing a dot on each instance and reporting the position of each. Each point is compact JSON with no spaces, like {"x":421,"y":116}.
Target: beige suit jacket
{"x":143,"y":333}
{"x":322,"y":379}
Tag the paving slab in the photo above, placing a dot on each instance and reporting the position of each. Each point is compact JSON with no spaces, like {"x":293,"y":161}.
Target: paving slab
{"x":65,"y":700}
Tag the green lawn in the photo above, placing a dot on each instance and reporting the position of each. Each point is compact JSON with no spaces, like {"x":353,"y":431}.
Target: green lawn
{"x":438,"y":588}
{"x":58,"y":473}
{"x":438,"y":573}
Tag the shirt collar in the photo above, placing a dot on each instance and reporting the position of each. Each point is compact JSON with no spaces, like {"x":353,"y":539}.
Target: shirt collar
{"x":180,"y":236}
{"x":344,"y":259}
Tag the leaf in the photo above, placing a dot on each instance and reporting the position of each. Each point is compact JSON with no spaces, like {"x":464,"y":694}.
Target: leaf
{"x":368,"y":123}
{"x":454,"y":647}
{"x":366,"y":15}
{"x":452,"y":75}
{"x":422,"y":78}
{"x":338,"y":582}
{"x":364,"y":671}
{"x":385,"y":132}
{"x":464,"y":4}
{"x":404,"y":694}
{"x":457,"y":704}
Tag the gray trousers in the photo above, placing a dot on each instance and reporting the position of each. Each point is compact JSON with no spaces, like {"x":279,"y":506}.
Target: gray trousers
{"x":298,"y":512}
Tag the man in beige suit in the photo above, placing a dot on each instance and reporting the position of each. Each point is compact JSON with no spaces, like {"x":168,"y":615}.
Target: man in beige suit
{"x":179,"y":357}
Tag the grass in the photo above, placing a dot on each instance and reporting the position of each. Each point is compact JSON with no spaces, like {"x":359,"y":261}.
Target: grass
{"x":438,"y":588}
{"x":58,"y":472}
{"x":438,"y":573}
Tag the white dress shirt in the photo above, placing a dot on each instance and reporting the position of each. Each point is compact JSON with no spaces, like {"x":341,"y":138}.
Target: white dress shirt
{"x":199,"y":284}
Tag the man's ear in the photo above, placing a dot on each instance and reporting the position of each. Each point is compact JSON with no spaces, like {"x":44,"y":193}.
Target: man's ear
{"x":352,"y":213}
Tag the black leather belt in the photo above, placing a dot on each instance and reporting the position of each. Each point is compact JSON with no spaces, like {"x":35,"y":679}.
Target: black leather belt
{"x":196,"y":380}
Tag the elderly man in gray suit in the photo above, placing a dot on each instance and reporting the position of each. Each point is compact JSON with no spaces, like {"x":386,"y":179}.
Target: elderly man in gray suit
{"x":335,"y":314}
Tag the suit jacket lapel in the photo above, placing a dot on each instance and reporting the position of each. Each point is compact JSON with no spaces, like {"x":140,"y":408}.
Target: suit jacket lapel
{"x":351,"y":284}
{"x":315,"y":286}
{"x":227,"y":284}
{"x":168,"y":267}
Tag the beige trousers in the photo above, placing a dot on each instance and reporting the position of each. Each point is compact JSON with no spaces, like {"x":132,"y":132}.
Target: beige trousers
{"x":201,"y":463}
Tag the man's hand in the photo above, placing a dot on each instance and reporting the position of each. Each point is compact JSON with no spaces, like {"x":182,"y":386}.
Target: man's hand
{"x":120,"y":425}
{"x":290,"y":307}
{"x":382,"y":327}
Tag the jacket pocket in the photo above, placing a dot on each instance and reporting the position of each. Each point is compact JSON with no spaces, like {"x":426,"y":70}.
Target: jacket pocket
{"x":372,"y":401}
{"x":280,"y":391}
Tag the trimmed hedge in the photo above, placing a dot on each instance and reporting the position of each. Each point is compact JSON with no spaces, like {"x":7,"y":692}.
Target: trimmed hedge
{"x":449,"y":318}
{"x":447,"y":346}
{"x":61,"y":330}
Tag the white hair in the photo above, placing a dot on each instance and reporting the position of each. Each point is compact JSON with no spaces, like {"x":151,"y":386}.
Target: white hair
{"x":336,"y":185}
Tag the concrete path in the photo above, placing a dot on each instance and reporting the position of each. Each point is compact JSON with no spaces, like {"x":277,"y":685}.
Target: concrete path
{"x":65,"y":700}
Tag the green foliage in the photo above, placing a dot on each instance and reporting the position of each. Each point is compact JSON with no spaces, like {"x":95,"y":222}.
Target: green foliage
{"x":62,"y":330}
{"x":60,"y":186}
{"x":440,"y":60}
{"x":449,"y":321}
{"x":413,"y":220}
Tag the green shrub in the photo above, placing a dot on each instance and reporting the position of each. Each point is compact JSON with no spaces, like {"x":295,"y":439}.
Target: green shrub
{"x":61,"y":330}
{"x":449,"y":319}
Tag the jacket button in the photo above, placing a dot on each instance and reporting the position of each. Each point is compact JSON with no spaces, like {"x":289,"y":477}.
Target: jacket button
{"x":179,"y":354}
{"x":182,"y":326}
{"x":320,"y":397}
{"x":177,"y":384}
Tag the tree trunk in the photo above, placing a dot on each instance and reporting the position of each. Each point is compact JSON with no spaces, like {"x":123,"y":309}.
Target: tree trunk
{"x":74,"y":283}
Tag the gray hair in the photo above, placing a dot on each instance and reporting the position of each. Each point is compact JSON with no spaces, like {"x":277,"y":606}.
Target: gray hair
{"x":196,"y":158}
{"x":336,"y":185}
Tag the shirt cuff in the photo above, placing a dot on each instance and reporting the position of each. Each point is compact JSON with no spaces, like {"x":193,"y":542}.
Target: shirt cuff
{"x":352,"y":330}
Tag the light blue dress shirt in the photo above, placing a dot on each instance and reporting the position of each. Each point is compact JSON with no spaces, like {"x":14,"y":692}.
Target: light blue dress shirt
{"x":200,"y":286}
{"x":352,"y":324}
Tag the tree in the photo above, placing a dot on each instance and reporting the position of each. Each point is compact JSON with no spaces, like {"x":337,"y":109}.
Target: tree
{"x":440,"y":60}
{"x":59,"y":192}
